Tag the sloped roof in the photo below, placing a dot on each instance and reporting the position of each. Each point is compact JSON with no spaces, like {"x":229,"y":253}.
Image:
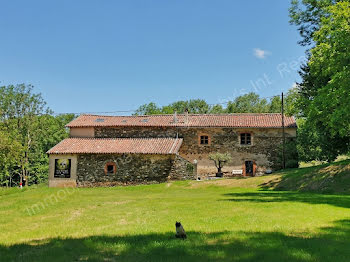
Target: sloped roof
{"x":192,"y":120}
{"x":117,"y":145}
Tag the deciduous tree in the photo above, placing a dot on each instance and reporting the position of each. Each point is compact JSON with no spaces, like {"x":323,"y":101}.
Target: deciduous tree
{"x":324,"y":93}
{"x":27,"y":132}
{"x":220,"y":159}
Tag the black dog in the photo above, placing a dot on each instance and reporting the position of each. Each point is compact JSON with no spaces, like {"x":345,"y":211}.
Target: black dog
{"x":180,"y":231}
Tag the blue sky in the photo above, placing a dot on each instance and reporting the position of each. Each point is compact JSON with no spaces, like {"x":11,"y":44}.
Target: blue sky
{"x":96,"y":56}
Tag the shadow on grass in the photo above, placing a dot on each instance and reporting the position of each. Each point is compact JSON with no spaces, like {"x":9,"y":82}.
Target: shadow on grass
{"x":275,"y":196}
{"x":331,"y":244}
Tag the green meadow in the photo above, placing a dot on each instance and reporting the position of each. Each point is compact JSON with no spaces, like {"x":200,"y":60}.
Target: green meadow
{"x":243,"y":219}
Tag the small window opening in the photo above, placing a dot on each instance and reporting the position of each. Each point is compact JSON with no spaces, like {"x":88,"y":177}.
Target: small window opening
{"x":204,"y":140}
{"x":246,"y":139}
{"x":110,"y":168}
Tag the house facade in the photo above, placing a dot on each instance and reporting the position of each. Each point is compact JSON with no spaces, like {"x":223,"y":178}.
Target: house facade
{"x":112,"y":150}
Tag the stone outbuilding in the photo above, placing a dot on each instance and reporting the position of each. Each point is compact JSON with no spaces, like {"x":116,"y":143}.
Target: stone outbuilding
{"x":117,"y":161}
{"x":113,"y":150}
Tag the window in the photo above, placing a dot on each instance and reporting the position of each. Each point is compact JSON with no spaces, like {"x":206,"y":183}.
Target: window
{"x":246,"y":139}
{"x":110,"y":168}
{"x":204,"y":140}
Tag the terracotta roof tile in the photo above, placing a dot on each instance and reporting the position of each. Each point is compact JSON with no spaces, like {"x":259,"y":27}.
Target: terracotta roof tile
{"x":194,"y":120}
{"x":117,"y":145}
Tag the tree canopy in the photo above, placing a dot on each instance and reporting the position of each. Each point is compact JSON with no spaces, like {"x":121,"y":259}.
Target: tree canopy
{"x":220,"y":159}
{"x":27,"y":130}
{"x":324,"y":92}
{"x":330,"y":60}
{"x":247,"y":103}
{"x":307,"y":15}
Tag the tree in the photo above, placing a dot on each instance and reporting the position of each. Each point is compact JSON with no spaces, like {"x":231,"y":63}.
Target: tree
{"x":198,"y":106}
{"x":330,"y":57}
{"x":314,"y":143}
{"x":148,"y":109}
{"x":10,"y":151}
{"x":324,"y":90}
{"x":19,"y":110}
{"x":275,"y":104}
{"x":219,"y":160}
{"x":323,"y":93}
{"x":30,"y":131}
{"x":194,"y":106}
{"x":52,"y":130}
{"x":307,"y":15}
{"x":217,"y":109}
{"x":248,"y":103}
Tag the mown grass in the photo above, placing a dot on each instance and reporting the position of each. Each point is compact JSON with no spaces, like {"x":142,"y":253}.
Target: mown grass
{"x":317,"y":163}
{"x":226,"y":220}
{"x":331,"y":178}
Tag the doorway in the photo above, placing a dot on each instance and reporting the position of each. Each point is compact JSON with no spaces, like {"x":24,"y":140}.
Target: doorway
{"x":249,"y":171}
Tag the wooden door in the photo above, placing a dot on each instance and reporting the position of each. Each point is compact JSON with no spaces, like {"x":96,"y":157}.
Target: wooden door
{"x":249,"y":168}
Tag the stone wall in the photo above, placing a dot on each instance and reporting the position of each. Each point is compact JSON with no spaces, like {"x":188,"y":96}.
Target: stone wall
{"x":265,"y":150}
{"x":182,"y":169}
{"x":130,"y":169}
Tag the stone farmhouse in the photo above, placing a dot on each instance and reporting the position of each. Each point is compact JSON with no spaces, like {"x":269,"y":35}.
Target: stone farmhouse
{"x":113,"y":150}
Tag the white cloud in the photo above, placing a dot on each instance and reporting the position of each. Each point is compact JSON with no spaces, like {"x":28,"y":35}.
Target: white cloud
{"x":261,"y":54}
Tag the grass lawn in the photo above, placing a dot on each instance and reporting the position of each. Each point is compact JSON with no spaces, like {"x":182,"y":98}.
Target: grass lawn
{"x":226,"y":220}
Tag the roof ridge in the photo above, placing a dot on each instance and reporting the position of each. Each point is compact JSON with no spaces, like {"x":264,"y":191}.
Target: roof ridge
{"x":234,"y":120}
{"x":128,"y":116}
{"x":120,"y":138}
{"x":183,"y":114}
